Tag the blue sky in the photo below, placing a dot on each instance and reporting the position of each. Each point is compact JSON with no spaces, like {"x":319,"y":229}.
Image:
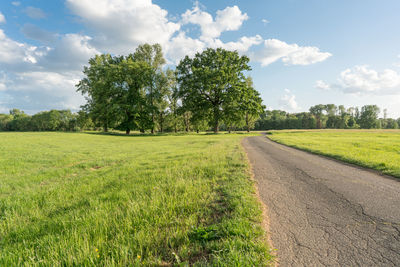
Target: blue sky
{"x":302,"y":52}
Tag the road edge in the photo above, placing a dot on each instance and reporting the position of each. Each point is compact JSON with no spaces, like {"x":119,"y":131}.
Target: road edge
{"x":265,"y":224}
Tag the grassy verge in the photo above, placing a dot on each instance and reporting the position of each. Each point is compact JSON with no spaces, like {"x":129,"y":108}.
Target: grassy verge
{"x":375,"y":149}
{"x":84,"y":199}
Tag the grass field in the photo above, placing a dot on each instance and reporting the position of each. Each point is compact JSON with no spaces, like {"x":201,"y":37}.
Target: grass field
{"x":89,"y":199}
{"x":375,"y":149}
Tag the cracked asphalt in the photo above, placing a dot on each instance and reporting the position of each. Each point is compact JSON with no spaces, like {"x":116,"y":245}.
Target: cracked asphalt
{"x":322,"y":212}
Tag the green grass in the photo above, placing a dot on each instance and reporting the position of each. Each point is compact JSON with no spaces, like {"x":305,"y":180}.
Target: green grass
{"x":89,"y":199}
{"x":375,"y":149}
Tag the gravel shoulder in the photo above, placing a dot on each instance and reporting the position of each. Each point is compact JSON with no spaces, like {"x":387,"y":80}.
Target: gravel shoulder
{"x":325,"y":213}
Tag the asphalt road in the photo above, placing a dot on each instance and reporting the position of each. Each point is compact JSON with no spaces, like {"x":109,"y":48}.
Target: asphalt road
{"x":322,"y":212}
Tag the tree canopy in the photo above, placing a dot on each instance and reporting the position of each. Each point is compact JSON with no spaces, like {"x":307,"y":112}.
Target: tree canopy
{"x":213,"y":85}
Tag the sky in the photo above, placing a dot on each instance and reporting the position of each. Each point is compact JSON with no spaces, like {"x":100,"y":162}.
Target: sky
{"x":302,"y":53}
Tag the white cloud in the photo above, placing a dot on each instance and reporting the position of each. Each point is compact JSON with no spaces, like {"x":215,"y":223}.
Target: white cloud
{"x":265,"y":21}
{"x":241,"y":46}
{"x":120,"y":25}
{"x":2,"y":18}
{"x":34,"y":12}
{"x":34,"y":90}
{"x":16,"y":3}
{"x":322,"y":85}
{"x":288,"y":101}
{"x":290,"y":54}
{"x":70,"y":53}
{"x":181,"y":45}
{"x":362,"y":79}
{"x":228,"y":19}
{"x":12,"y":52}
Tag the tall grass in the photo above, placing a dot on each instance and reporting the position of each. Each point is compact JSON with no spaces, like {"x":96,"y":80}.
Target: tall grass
{"x":86,"y":199}
{"x":375,"y":149}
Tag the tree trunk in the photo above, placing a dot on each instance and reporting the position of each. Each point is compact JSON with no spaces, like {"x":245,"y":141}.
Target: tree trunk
{"x":161,"y":122}
{"x":216,"y":119}
{"x":197,"y":131}
{"x":186,"y":119}
{"x":247,"y":122}
{"x":105,"y":128}
{"x":128,"y":131}
{"x":142,"y":130}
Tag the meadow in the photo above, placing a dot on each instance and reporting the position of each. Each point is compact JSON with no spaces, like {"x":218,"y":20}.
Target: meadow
{"x":375,"y":149}
{"x":94,"y":199}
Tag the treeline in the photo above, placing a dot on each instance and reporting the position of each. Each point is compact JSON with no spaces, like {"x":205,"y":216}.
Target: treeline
{"x":333,"y":117}
{"x":327,"y":116}
{"x":53,"y":120}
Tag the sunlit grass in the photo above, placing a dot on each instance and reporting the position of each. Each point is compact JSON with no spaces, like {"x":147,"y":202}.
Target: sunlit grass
{"x":86,"y":199}
{"x":376,"y":149}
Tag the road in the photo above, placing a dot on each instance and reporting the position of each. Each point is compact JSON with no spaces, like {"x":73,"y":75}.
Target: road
{"x":322,"y":212}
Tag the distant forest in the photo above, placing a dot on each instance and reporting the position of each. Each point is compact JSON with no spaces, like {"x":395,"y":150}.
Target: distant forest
{"x":319,"y":117}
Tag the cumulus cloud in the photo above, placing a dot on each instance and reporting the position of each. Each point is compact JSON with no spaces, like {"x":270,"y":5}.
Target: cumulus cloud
{"x":322,"y":85}
{"x":364,"y":80}
{"x":228,"y":19}
{"x":182,"y":45}
{"x":120,"y":25}
{"x":40,"y":78}
{"x":47,"y":90}
{"x":69,"y":53}
{"x":288,"y":101}
{"x":34,"y":12}
{"x":12,"y":52}
{"x":242,"y":45}
{"x":2,"y":18}
{"x":290,"y":54}
{"x":265,"y":21}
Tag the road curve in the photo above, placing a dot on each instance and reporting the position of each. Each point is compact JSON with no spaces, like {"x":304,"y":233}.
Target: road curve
{"x":325,"y":213}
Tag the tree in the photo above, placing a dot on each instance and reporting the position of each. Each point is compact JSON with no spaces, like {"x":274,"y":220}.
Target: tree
{"x":331,"y":109}
{"x":130,"y":79}
{"x":97,"y":88}
{"x":251,"y":104}
{"x":152,"y":55}
{"x":369,"y":116}
{"x":317,"y":111}
{"x":173,"y":98}
{"x":211,"y":80}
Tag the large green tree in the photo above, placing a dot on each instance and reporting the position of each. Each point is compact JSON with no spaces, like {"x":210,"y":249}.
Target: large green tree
{"x":211,"y":80}
{"x":156,"y":93}
{"x":97,"y":87}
